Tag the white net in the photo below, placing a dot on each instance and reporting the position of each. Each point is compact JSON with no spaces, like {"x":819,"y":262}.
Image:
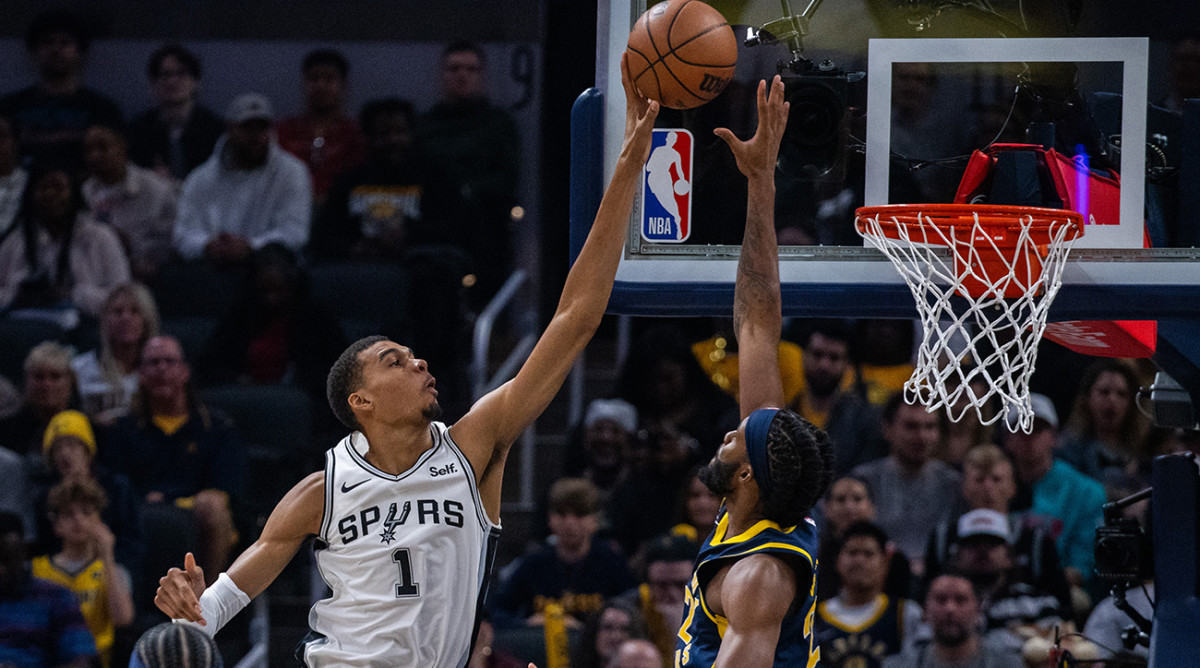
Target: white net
{"x":982,"y":306}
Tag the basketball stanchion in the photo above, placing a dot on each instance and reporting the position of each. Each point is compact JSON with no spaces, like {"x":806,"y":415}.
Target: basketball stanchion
{"x":982,"y":304}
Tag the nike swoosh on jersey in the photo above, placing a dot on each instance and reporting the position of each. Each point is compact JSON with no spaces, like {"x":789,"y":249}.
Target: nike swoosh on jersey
{"x":347,"y":488}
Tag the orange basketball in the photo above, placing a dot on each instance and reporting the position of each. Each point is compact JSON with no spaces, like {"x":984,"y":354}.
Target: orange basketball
{"x":681,"y":53}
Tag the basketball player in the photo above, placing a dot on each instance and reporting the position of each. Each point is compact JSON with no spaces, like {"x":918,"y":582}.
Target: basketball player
{"x":407,"y":510}
{"x":752,"y":596}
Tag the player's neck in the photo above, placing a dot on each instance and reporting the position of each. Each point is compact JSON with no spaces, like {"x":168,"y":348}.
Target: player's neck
{"x":742,"y":513}
{"x":395,"y":449}
{"x":857,"y":597}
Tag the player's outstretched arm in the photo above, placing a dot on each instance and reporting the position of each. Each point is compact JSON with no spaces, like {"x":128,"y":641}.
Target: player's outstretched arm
{"x":755,"y":596}
{"x":757,"y":314}
{"x":296,"y":517}
{"x":498,"y":419}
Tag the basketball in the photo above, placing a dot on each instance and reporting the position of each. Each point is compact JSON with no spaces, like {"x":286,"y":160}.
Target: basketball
{"x":681,"y":53}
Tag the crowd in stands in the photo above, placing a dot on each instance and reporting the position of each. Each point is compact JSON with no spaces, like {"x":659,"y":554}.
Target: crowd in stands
{"x":118,"y":456}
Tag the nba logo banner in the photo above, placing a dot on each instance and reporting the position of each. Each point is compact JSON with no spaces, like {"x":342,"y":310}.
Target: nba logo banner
{"x":667,"y":187}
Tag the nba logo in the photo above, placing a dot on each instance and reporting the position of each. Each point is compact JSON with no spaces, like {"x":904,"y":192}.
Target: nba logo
{"x":667,"y":187}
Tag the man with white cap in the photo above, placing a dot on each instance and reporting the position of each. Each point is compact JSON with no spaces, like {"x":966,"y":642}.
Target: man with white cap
{"x":248,"y":194}
{"x":1064,"y":501}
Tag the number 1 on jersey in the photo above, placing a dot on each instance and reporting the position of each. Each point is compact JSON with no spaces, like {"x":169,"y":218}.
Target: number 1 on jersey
{"x":406,"y":588}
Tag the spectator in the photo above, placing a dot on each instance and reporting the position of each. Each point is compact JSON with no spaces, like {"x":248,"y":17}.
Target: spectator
{"x":576,"y":569}
{"x":604,"y":632}
{"x":852,"y":423}
{"x":1059,"y":498}
{"x":952,"y":611}
{"x":107,"y":376}
{"x":1106,"y":434}
{"x":137,"y":203}
{"x":49,"y":390}
{"x":913,"y":492}
{"x":637,"y":653}
{"x":69,"y":448}
{"x":478,"y":146}
{"x":181,"y":458}
{"x":323,"y":136}
{"x":668,"y":569}
{"x":14,"y":493}
{"x":862,"y":625}
{"x":847,"y":502}
{"x":178,"y":134}
{"x":52,"y":115}
{"x":248,"y":194}
{"x":87,"y":564}
{"x":608,"y":429}
{"x":169,"y":645}
{"x":700,"y":509}
{"x":40,"y":623}
{"x":60,"y":256}
{"x":969,"y":430}
{"x":13,"y":177}
{"x":395,"y":199}
{"x":1014,"y":608}
{"x":989,"y":483}
{"x":276,"y":331}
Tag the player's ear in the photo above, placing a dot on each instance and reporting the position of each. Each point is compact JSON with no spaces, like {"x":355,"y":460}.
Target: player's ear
{"x":358,"y":402}
{"x":744,"y":473}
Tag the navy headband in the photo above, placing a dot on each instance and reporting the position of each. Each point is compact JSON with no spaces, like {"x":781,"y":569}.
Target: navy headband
{"x":757,"y":426}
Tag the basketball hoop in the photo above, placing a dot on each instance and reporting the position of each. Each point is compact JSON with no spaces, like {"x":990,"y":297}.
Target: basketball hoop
{"x":985,"y":301}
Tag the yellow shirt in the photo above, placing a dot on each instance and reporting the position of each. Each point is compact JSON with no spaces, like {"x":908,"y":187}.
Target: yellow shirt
{"x":90,"y":589}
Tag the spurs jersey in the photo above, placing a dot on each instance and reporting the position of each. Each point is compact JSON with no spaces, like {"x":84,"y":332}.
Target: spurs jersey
{"x":702,"y":629}
{"x":407,"y":558}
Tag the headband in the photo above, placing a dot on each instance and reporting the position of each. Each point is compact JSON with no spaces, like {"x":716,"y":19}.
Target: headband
{"x":757,"y":426}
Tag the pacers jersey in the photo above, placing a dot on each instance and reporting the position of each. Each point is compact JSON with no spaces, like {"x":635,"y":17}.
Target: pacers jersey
{"x":88,"y":585}
{"x":862,"y":645}
{"x":701,"y":632}
{"x":407,"y":557}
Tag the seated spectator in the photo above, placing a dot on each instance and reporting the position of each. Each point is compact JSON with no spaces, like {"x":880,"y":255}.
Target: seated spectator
{"x":69,"y":447}
{"x":170,"y":645}
{"x":179,"y":456}
{"x":137,"y":203}
{"x":275,"y":332}
{"x":323,"y":137}
{"x":862,"y":625}
{"x":989,"y":483}
{"x":700,"y":509}
{"x":49,"y":390}
{"x":178,"y":134}
{"x":852,"y":423}
{"x":394,"y":200}
{"x":87,"y":564}
{"x":248,"y":194}
{"x":576,"y":569}
{"x":1057,"y":497}
{"x":1014,"y":608}
{"x":604,"y":632}
{"x":107,"y":376}
{"x":12,"y":177}
{"x":968,"y":431}
{"x":637,"y":653}
{"x":952,"y":610}
{"x":60,"y":256}
{"x":912,"y":491}
{"x":609,"y":426}
{"x":477,"y":144}
{"x":40,"y":622}
{"x":1106,"y":433}
{"x":667,"y":566}
{"x":848,"y":501}
{"x":52,"y":115}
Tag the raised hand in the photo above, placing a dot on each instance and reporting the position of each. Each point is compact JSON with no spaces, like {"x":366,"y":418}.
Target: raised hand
{"x":179,"y":592}
{"x":757,"y":156}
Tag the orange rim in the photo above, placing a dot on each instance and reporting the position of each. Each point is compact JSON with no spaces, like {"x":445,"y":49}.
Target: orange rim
{"x":958,"y":216}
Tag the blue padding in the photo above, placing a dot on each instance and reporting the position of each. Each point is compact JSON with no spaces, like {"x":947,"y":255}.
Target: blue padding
{"x":1176,"y":507}
{"x":587,"y":164}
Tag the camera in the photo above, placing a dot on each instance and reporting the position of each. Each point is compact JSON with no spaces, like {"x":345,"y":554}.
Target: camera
{"x":1124,"y":551}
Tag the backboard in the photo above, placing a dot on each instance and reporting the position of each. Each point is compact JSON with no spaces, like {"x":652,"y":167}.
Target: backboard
{"x":825,"y":269}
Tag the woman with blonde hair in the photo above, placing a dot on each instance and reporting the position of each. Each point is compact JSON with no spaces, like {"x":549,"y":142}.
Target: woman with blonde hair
{"x":108,"y":376}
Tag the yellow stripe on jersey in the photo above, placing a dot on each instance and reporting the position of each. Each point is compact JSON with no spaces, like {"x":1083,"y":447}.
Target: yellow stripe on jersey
{"x":719,"y":538}
{"x":881,"y":604}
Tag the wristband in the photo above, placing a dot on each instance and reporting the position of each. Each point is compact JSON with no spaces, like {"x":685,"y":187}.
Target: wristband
{"x":218,"y":604}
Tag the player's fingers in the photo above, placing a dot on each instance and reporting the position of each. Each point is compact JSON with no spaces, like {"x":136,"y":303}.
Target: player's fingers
{"x":176,"y":598}
{"x":728,"y":137}
{"x":762,"y":95}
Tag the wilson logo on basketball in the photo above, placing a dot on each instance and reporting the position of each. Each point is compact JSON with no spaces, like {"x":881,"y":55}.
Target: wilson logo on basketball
{"x":714,"y":85}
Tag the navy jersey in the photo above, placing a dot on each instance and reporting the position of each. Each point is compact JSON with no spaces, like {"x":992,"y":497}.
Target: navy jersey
{"x":863,"y":645}
{"x":702,"y":629}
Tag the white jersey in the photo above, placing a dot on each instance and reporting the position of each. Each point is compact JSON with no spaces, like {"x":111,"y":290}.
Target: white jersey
{"x":407,"y":557}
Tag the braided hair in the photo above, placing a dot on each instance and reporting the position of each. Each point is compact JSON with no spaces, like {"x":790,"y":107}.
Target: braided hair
{"x":171,"y":645}
{"x":801,"y":468}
